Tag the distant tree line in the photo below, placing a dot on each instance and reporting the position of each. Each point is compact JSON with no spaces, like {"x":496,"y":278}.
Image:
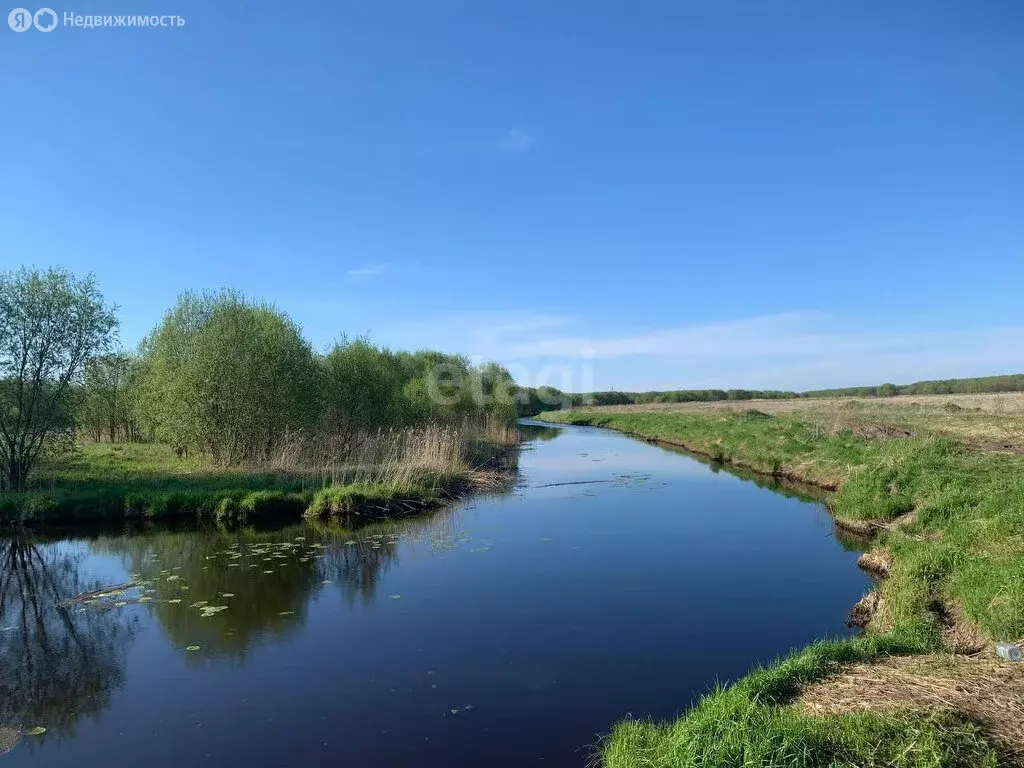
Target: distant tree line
{"x":678,"y":396}
{"x":983,"y":384}
{"x":534,"y":401}
{"x":554,"y":399}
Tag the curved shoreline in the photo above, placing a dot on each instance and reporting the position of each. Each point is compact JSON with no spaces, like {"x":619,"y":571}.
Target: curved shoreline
{"x":876,"y":488}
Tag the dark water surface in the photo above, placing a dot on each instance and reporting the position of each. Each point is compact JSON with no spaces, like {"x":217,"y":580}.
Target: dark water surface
{"x":510,"y":630}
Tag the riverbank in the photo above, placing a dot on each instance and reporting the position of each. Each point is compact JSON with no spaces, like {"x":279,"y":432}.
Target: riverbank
{"x":385,"y":475}
{"x":945,"y":517}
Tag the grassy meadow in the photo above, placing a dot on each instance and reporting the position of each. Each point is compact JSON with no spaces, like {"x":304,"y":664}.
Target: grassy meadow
{"x":392,"y":471}
{"x":940,"y":488}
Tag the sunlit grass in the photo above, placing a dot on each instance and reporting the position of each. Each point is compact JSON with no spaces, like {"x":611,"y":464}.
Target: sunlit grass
{"x":104,"y":481}
{"x":962,"y":551}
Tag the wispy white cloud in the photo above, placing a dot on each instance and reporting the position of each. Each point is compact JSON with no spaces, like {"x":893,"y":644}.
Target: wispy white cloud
{"x":480,"y":335}
{"x":363,"y":273}
{"x":797,"y":350}
{"x":516,"y":140}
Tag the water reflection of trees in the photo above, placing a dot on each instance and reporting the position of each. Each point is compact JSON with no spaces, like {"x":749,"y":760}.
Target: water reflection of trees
{"x":187,"y":567}
{"x":356,"y":561}
{"x":226,"y":567}
{"x":57,"y":665}
{"x":538,"y":432}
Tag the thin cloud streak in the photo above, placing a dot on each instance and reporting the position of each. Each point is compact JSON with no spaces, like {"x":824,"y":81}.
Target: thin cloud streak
{"x":797,"y":350}
{"x":516,"y":140}
{"x":363,"y":273}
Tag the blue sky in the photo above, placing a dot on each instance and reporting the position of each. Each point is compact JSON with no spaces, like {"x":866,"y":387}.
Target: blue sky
{"x":598,"y":194}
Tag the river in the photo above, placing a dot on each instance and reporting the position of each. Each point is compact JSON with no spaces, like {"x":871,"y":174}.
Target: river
{"x":615,"y":577}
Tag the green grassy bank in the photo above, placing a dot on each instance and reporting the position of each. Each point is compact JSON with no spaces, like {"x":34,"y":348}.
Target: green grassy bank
{"x":956,"y":575}
{"x":119,"y":481}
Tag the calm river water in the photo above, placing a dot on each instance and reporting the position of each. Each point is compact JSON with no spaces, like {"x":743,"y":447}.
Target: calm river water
{"x":617,"y":577}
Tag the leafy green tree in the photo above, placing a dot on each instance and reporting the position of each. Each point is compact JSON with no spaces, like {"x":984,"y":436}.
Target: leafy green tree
{"x":106,"y":405}
{"x":51,"y":324}
{"x":229,"y":377}
{"x":362,"y":388}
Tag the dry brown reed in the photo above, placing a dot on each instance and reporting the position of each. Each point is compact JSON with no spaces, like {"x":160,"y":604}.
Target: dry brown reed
{"x":394,"y":456}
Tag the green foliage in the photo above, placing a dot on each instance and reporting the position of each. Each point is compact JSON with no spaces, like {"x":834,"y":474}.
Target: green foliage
{"x":675,"y":396}
{"x":531,"y":401}
{"x":107,"y":408}
{"x":983,"y":384}
{"x":51,"y":324}
{"x":348,"y":501}
{"x":366,"y":387}
{"x":363,"y":388}
{"x":229,"y":377}
{"x":260,"y":503}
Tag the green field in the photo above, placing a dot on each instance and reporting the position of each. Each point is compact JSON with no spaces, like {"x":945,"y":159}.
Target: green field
{"x":947,"y":521}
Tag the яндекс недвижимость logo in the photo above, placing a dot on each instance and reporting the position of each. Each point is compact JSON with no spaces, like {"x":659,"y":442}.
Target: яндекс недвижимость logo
{"x":22,"y":19}
{"x":46,"y":20}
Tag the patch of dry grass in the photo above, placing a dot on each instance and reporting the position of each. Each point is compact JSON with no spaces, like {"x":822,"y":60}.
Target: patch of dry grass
{"x":985,"y":690}
{"x":393,"y":456}
{"x":989,"y":421}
